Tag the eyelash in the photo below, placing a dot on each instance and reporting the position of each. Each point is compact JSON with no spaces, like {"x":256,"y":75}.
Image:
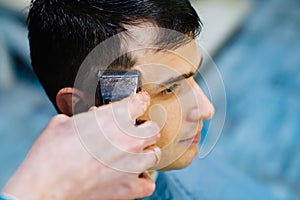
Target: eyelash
{"x":170,"y":90}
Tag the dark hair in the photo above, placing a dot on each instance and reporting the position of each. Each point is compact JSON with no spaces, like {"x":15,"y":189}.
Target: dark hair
{"x":63,"y":32}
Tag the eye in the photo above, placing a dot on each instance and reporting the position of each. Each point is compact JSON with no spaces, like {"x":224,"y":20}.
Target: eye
{"x":170,"y":90}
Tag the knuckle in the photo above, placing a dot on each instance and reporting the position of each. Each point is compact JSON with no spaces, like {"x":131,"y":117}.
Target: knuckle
{"x":144,"y":189}
{"x":129,"y":188}
{"x":61,"y":124}
{"x":59,"y":120}
{"x":147,"y":189}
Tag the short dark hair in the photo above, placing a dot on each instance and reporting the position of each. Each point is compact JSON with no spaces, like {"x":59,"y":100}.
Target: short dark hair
{"x":63,"y":32}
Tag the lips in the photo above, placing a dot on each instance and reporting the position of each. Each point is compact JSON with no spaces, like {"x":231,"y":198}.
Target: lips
{"x":197,"y":138}
{"x":192,"y":140}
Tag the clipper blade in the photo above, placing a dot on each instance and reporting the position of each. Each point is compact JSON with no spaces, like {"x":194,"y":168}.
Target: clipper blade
{"x":115,"y":85}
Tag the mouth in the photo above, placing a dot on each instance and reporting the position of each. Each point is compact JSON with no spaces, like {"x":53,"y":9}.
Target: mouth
{"x":194,"y":139}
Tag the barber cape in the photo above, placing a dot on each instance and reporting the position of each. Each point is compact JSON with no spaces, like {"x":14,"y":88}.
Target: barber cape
{"x":210,"y":178}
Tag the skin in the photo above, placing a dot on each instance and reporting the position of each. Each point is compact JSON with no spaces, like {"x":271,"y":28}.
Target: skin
{"x":178,"y":107}
{"x":58,"y":165}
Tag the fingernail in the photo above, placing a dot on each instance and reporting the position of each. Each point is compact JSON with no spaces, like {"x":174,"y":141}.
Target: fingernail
{"x":141,"y":98}
{"x":145,"y":97}
{"x":157,"y":153}
{"x":92,"y":108}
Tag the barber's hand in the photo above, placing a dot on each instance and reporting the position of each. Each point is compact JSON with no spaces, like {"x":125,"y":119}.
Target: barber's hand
{"x":59,"y":166}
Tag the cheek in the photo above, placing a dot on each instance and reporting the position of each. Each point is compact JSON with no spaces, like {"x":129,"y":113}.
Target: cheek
{"x":173,"y":122}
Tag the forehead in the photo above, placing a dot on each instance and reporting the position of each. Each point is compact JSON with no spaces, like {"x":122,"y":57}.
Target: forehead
{"x":158,"y":66}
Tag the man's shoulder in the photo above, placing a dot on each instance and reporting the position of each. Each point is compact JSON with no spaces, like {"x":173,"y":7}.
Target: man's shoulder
{"x":210,"y":178}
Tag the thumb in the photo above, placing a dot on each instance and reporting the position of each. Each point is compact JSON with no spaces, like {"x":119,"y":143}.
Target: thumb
{"x":138,"y":104}
{"x":128,"y":109}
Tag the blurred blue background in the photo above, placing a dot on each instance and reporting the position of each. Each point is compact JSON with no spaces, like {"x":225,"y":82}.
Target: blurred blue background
{"x":260,"y":66}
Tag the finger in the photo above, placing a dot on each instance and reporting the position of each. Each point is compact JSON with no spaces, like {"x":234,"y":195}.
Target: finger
{"x":124,"y":112}
{"x":152,"y":157}
{"x":149,"y":131}
{"x":145,"y":186}
{"x":141,"y":136}
{"x":138,"y":104}
{"x":137,"y":139}
{"x":92,"y":108}
{"x":138,"y":162}
{"x":155,"y":150}
{"x":136,"y":188}
{"x":132,"y":107}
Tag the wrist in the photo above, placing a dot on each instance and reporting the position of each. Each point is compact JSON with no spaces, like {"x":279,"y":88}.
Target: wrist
{"x":5,"y":196}
{"x":21,"y":187}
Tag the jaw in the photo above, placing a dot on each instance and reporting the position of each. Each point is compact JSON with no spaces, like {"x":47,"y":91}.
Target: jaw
{"x":182,"y":161}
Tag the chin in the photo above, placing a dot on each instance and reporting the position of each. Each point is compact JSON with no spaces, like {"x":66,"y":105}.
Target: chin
{"x":183,"y":161}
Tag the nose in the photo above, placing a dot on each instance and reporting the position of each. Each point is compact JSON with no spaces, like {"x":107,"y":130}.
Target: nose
{"x":203,"y":109}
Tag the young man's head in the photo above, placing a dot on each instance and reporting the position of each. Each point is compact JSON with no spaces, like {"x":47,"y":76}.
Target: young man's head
{"x":63,"y":32}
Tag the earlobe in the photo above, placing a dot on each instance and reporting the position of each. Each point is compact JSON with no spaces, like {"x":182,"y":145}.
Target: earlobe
{"x":69,"y":100}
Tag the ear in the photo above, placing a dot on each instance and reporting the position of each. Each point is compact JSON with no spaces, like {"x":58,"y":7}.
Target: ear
{"x":70,"y":101}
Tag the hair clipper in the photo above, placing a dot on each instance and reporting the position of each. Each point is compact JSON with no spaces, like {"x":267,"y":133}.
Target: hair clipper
{"x":115,"y":85}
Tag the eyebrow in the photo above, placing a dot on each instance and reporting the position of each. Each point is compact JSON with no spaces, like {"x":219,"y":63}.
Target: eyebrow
{"x":182,"y":76}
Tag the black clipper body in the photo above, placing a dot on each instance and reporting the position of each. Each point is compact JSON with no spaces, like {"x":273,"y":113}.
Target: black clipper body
{"x":115,"y":85}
